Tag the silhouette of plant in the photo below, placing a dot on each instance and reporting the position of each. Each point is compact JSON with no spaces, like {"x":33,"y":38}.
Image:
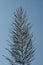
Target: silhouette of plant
{"x":21,"y":46}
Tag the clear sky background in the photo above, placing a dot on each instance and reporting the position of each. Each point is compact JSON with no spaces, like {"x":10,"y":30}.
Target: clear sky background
{"x":34,"y":9}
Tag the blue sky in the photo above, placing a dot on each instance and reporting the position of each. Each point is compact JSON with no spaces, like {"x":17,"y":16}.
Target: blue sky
{"x":34,"y":9}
